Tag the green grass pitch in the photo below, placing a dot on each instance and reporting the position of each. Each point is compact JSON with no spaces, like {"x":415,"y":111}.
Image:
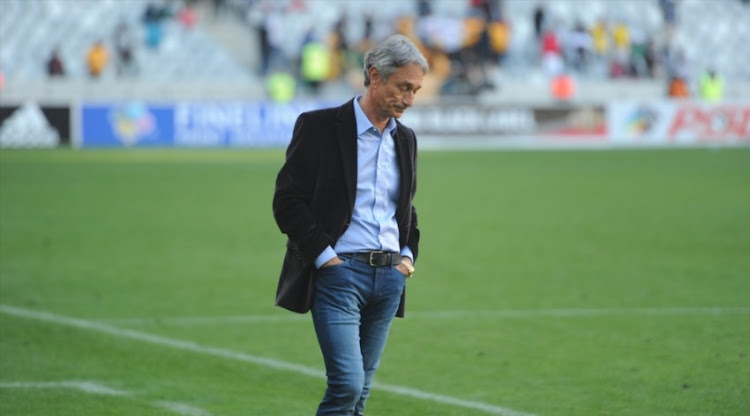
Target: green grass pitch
{"x":549,"y":283}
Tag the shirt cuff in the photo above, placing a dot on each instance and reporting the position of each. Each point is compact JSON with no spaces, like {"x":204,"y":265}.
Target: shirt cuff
{"x":406,"y":252}
{"x":326,"y":255}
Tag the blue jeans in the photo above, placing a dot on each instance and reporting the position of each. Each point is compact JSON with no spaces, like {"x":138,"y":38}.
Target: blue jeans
{"x":352,"y":311}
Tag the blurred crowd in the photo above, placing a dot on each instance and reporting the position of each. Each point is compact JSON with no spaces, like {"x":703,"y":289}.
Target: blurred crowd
{"x":461,"y":50}
{"x":119,"y":51}
{"x":464,"y":51}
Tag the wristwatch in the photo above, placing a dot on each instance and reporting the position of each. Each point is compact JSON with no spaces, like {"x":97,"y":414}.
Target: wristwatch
{"x":409,"y":268}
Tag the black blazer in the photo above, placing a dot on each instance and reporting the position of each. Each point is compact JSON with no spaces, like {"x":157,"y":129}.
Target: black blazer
{"x":315,"y":191}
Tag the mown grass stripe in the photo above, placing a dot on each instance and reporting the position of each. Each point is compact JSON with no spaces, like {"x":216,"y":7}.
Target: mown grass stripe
{"x":447,"y":314}
{"x":239,"y":356}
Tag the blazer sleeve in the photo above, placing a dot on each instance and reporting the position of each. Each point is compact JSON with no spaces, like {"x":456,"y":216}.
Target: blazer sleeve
{"x":414,"y":233}
{"x":295,"y":185}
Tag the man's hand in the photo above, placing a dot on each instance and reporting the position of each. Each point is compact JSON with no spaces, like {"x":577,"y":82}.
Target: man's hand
{"x":332,"y":262}
{"x":402,"y":268}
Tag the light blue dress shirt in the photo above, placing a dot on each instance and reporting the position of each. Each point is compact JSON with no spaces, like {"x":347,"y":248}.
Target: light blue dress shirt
{"x":373,"y":225}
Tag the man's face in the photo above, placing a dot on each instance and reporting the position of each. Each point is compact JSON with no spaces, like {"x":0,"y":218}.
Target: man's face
{"x":394,"y":96}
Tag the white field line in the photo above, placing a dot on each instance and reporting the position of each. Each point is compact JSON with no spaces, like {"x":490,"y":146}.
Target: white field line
{"x":448,"y":314}
{"x":243,"y":357}
{"x":85,"y":386}
{"x":210,"y":320}
{"x":182,"y":409}
{"x":91,"y":387}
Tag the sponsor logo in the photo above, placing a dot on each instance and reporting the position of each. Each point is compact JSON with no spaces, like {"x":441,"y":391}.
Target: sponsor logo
{"x":27,"y":127}
{"x":132,"y":122}
{"x":641,"y":121}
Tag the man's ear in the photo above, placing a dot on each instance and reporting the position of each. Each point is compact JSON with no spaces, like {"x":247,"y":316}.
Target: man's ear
{"x":375,"y":76}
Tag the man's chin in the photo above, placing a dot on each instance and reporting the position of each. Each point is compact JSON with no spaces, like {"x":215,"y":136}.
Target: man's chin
{"x":398,"y":113}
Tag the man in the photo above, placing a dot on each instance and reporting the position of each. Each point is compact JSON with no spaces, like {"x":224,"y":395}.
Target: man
{"x":344,"y":199}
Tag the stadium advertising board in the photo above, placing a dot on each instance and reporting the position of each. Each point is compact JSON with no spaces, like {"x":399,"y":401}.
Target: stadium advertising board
{"x":126,"y":124}
{"x":475,"y":126}
{"x":31,"y":125}
{"x":477,"y":120}
{"x":444,"y":126}
{"x":190,"y":124}
{"x":676,"y":122}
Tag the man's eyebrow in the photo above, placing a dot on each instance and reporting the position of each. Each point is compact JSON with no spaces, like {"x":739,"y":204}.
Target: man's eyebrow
{"x":409,"y":84}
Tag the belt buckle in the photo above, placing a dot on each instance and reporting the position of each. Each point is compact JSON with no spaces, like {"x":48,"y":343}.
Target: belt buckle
{"x":372,"y":253}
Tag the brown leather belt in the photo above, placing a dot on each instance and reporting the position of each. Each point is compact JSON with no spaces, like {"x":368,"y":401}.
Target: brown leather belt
{"x":375,"y":258}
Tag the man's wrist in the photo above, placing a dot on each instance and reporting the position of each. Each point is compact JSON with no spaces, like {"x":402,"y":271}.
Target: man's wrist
{"x":406,"y":262}
{"x":324,"y":257}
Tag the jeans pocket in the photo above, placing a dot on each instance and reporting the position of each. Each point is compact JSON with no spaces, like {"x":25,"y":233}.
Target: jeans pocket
{"x":397,"y":280}
{"x":333,"y":270}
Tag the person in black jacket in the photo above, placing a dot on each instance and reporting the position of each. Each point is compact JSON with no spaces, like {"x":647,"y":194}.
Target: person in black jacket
{"x":344,"y":199}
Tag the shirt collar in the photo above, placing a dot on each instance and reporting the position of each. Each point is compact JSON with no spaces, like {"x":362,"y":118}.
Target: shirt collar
{"x":364,"y":124}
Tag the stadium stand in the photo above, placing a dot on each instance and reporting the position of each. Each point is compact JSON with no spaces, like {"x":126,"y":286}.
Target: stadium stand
{"x":29,"y":29}
{"x":218,"y":57}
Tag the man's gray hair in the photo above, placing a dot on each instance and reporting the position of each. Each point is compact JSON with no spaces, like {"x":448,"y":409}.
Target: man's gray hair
{"x":393,"y":53}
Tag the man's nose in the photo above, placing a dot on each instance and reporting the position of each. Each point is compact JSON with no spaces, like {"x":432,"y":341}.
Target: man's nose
{"x":408,"y":98}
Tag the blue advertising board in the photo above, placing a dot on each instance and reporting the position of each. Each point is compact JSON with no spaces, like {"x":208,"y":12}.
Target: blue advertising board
{"x":127,"y":124}
{"x":190,"y":124}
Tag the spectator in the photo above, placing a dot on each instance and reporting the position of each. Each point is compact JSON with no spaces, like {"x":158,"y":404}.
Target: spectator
{"x":600,"y":37}
{"x":123,"y":40}
{"x":97,"y":59}
{"x":678,"y":88}
{"x":152,"y":12}
{"x":187,"y":16}
{"x":55,"y":67}
{"x":272,"y":36}
{"x":475,"y":51}
{"x":675,"y":61}
{"x":621,"y":38}
{"x":618,"y":66}
{"x":485,"y":8}
{"x":499,"y":32}
{"x":152,"y":19}
{"x":339,"y":48}
{"x":639,"y":66}
{"x":315,"y":64}
{"x":669,"y":12}
{"x":580,"y":43}
{"x":552,"y":61}
{"x":424,"y":8}
{"x":281,"y":86}
{"x":539,"y":20}
{"x":711,"y":86}
{"x":562,"y":87}
{"x":256,"y":18}
{"x":651,"y":57}
{"x":477,"y":26}
{"x":219,"y":7}
{"x":365,"y":43}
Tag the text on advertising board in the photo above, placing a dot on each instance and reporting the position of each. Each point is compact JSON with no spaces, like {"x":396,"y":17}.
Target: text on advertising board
{"x":719,"y":122}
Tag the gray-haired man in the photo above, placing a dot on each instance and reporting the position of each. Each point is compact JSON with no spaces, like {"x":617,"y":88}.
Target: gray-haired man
{"x":344,"y":199}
